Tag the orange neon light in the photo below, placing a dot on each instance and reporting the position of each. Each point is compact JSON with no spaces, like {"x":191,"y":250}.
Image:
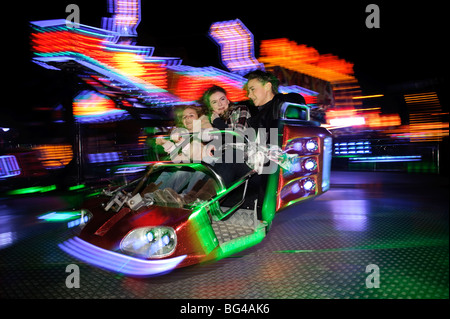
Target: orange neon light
{"x":306,"y":60}
{"x":94,"y":105}
{"x":129,"y":63}
{"x":372,"y":116}
{"x":367,"y":96}
{"x":425,"y":118}
{"x":54,"y":156}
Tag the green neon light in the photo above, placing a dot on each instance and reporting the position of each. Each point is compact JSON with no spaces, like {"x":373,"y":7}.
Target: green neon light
{"x":220,"y":194}
{"x":301,"y":199}
{"x":30,"y":190}
{"x":233,"y":246}
{"x":72,"y":188}
{"x":392,"y":244}
{"x":60,"y":216}
{"x":94,"y":194}
{"x":270,"y":200}
{"x":201,"y":224}
{"x":195,"y":213}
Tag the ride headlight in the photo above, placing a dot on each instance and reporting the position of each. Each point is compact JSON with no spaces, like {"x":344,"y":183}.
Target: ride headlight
{"x":309,"y":184}
{"x":310,"y":164}
{"x":312,"y":145}
{"x":150,"y":242}
{"x":303,"y":145}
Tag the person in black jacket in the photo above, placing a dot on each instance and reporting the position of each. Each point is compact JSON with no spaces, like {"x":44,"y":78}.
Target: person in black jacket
{"x":262,"y":90}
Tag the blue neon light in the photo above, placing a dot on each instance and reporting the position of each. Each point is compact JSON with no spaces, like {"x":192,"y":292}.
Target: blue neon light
{"x":236,"y":46}
{"x":104,"y":157}
{"x":126,"y":17}
{"x":353,"y":147}
{"x":372,"y":159}
{"x":117,"y":262}
{"x":327,"y":154}
{"x":9,"y":166}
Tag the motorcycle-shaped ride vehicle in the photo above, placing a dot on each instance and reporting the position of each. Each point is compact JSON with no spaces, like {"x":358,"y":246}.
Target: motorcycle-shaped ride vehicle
{"x":142,"y":228}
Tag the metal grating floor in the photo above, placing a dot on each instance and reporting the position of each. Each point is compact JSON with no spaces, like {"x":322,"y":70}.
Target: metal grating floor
{"x":226,"y":232}
{"x":315,"y":250}
{"x":241,"y":223}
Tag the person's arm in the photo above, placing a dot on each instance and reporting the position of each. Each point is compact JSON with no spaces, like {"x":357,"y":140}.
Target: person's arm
{"x":205,"y":122}
{"x":219,"y":123}
{"x":243,"y":116}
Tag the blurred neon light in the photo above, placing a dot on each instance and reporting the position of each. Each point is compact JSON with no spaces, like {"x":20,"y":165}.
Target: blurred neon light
{"x":55,"y":155}
{"x":353,"y":147}
{"x":236,"y":46}
{"x":367,"y":96}
{"x":9,"y":166}
{"x":120,"y":66}
{"x":76,"y":187}
{"x":376,"y":120}
{"x":126,"y":17}
{"x":304,"y":59}
{"x":188,"y":83}
{"x":130,"y":169}
{"x":423,"y":136}
{"x":370,"y":117}
{"x":348,"y":121}
{"x":373,"y":159}
{"x":104,"y":157}
{"x":129,"y":63}
{"x":117,"y":262}
{"x":53,"y":41}
{"x":91,"y":103}
{"x":34,"y":189}
{"x":59,"y":216}
{"x":327,"y":155}
{"x":426,"y":119}
{"x":308,"y":61}
{"x":89,"y":106}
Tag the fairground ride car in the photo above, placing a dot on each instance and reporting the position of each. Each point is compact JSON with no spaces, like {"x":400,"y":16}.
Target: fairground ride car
{"x":140,"y":228}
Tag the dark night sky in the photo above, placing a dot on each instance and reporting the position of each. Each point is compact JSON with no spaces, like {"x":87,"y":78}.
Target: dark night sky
{"x":408,"y":47}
